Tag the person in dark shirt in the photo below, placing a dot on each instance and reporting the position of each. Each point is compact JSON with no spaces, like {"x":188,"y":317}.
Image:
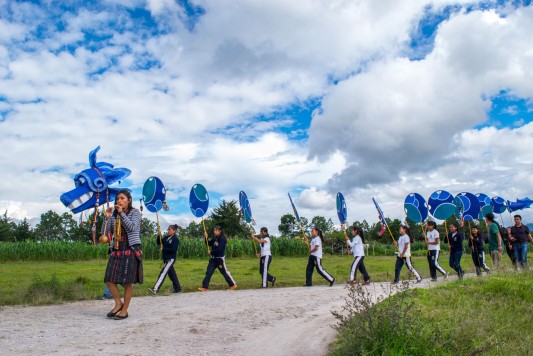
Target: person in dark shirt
{"x":217,"y":260}
{"x":455,"y":239}
{"x":170,"y":243}
{"x":520,"y":236}
{"x":478,"y":252}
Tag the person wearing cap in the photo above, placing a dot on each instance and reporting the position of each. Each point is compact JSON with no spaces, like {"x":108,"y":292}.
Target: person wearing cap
{"x":265,"y":257}
{"x":170,"y":243}
{"x":495,"y":240}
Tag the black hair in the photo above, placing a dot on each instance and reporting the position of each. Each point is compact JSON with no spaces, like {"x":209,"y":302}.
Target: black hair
{"x":174,"y":227}
{"x":432,"y":223}
{"x":358,"y":231}
{"x":127,"y":194}
{"x":456,"y":225}
{"x":319,"y":233}
{"x":265,"y":230}
{"x":407,"y":232}
{"x":477,"y":228}
{"x":218,"y":227}
{"x":490,"y":217}
{"x":518,"y":216}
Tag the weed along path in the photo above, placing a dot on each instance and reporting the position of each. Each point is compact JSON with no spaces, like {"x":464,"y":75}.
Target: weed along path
{"x":275,"y":321}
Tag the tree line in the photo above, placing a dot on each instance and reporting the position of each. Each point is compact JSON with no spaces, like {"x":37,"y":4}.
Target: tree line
{"x":55,"y":227}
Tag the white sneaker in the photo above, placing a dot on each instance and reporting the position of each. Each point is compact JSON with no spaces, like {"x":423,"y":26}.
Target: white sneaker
{"x":152,"y":290}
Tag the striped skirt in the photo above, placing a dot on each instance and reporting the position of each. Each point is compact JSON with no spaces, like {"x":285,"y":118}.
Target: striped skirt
{"x":124,"y":266}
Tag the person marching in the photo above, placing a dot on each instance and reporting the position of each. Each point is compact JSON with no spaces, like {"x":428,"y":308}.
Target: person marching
{"x":125,"y":262}
{"x":265,"y":257}
{"x":495,"y":240}
{"x":217,"y":260}
{"x":455,"y":239}
{"x":315,"y":259}
{"x":358,"y":252}
{"x":433,"y":241}
{"x":520,"y":235}
{"x":404,"y":255}
{"x":478,"y":252}
{"x":171,"y":244}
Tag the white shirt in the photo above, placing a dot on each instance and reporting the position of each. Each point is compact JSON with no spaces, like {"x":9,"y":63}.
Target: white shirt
{"x":316,"y":242}
{"x":402,"y":242}
{"x":432,"y":236}
{"x":265,"y":247}
{"x":356,"y":246}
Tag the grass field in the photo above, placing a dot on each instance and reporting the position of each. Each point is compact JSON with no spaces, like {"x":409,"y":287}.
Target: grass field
{"x":54,"y":282}
{"x":489,"y":316}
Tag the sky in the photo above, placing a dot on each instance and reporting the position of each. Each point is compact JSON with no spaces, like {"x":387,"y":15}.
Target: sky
{"x":312,"y":97}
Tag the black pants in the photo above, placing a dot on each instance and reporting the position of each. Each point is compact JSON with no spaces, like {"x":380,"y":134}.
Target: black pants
{"x":312,"y":263}
{"x":478,"y":257}
{"x":168,"y":268}
{"x":510,"y":253}
{"x":220,"y":263}
{"x":264,"y":265}
{"x":455,"y":262}
{"x":359,"y":264}
{"x":433,"y":260}
{"x":410,"y":267}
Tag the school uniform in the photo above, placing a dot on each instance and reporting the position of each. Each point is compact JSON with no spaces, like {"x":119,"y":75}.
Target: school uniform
{"x":478,"y":254}
{"x":315,"y":261}
{"x":217,"y":260}
{"x":264,"y":263}
{"x":433,"y":255}
{"x":169,"y":251}
{"x":358,"y":252}
{"x":456,"y":252}
{"x":403,"y":241}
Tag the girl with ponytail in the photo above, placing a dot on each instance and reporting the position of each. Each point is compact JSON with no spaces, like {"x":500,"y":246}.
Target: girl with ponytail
{"x":315,"y":259}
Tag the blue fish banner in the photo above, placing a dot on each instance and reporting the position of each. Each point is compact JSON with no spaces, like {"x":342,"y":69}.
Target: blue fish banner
{"x":415,"y":207}
{"x":499,"y":205}
{"x":198,"y":200}
{"x":484,"y":205}
{"x":342,"y":212}
{"x":441,"y":205}
{"x":154,"y":194}
{"x":468,"y":205}
{"x":245,"y":207}
{"x":517,"y":205}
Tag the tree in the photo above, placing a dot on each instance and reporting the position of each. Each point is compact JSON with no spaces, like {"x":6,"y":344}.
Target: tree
{"x":286,"y":226}
{"x":23,"y":231}
{"x":7,"y":228}
{"x":50,"y":227}
{"x":325,"y":225}
{"x":228,"y":216}
{"x":148,"y":228}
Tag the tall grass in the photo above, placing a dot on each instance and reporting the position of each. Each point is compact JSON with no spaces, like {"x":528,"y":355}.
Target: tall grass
{"x":489,"y":316}
{"x":189,"y":248}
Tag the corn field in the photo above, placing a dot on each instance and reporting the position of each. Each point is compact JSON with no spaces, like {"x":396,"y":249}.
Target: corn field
{"x":189,"y":248}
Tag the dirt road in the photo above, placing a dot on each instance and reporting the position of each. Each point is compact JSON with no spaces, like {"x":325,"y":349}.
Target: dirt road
{"x":274,"y":321}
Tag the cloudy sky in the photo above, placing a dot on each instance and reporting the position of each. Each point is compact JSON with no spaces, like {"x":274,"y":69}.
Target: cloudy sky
{"x":370,"y":98}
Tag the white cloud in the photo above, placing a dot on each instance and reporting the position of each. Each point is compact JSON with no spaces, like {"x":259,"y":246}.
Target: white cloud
{"x":399,"y":116}
{"x":386,"y":127}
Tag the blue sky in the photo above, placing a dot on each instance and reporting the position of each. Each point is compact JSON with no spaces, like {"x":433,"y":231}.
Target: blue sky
{"x":365,"y":98}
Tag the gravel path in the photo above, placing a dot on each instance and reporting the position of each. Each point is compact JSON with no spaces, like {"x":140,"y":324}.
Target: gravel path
{"x":274,"y":321}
